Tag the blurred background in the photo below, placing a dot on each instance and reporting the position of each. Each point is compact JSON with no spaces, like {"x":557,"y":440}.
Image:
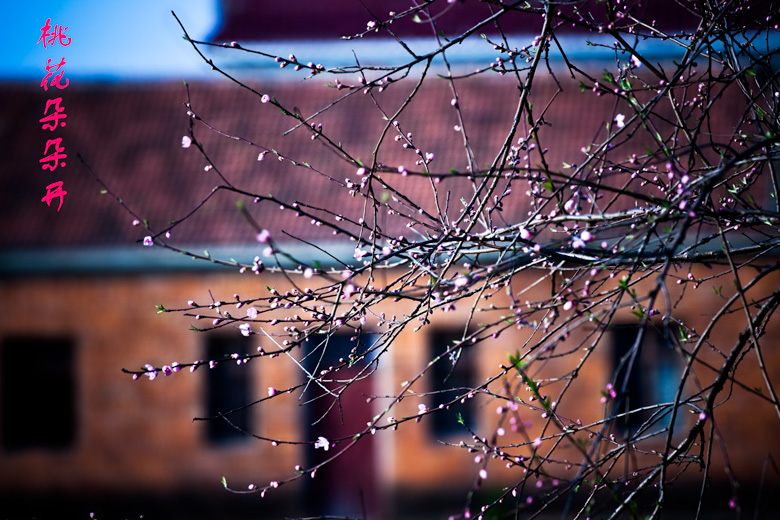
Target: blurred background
{"x":79,"y":290}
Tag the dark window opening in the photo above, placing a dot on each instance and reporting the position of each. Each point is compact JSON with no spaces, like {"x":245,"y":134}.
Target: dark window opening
{"x":37,"y":393}
{"x":654,"y":376}
{"x":450,"y":377}
{"x":228,"y":387}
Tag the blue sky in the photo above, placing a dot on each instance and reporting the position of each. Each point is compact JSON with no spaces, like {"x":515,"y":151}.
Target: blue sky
{"x":139,"y":40}
{"x":111,"y":40}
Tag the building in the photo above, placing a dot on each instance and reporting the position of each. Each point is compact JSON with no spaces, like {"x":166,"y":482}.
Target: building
{"x":80,"y":293}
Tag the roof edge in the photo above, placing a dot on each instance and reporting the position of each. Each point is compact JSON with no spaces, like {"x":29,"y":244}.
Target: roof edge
{"x":101,"y":260}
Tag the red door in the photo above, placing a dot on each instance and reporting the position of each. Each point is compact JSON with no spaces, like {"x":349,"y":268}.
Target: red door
{"x":345,"y":486}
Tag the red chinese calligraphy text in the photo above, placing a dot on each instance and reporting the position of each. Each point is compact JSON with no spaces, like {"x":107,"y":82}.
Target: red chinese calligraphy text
{"x":52,"y":161}
{"x":51,"y":121}
{"x":57,"y":73}
{"x":52,"y":37}
{"x":53,"y":191}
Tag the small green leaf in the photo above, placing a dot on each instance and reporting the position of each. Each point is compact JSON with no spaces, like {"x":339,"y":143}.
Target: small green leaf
{"x":224,"y":482}
{"x":160,"y":309}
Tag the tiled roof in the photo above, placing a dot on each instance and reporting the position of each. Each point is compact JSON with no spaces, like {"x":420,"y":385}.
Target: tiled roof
{"x":130,"y":136}
{"x":249,"y":20}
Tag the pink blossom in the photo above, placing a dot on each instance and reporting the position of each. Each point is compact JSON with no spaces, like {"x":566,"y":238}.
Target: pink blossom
{"x":263,"y":236}
{"x":323,"y":443}
{"x":148,"y":241}
{"x":271,"y":391}
{"x":186,"y":141}
{"x":151,"y":372}
{"x":246,"y":329}
{"x":620,"y":120}
{"x":251,"y":313}
{"x":265,"y":98}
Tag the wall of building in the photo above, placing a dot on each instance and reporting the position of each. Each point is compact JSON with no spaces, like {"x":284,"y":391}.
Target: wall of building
{"x":140,"y":436}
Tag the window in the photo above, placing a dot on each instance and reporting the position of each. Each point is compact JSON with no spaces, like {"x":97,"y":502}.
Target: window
{"x":654,"y":377}
{"x":451,"y":376}
{"x":37,"y":393}
{"x":228,"y":386}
